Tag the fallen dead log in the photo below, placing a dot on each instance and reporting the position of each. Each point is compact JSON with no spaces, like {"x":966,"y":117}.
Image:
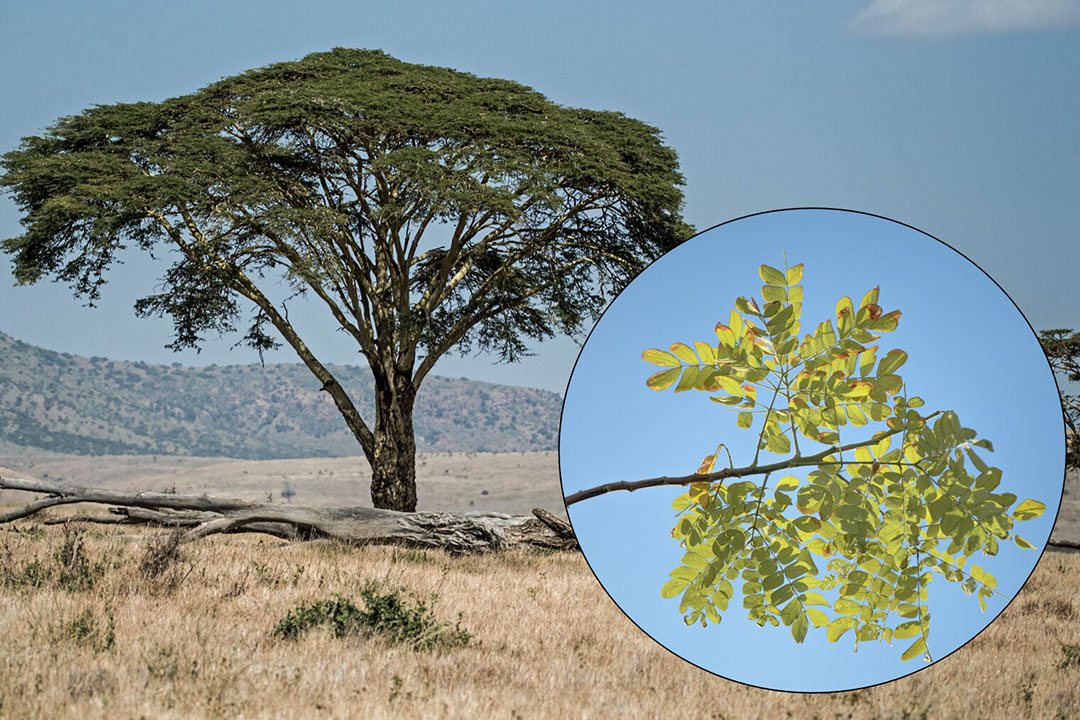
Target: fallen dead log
{"x":1063,"y":543}
{"x":204,"y":515}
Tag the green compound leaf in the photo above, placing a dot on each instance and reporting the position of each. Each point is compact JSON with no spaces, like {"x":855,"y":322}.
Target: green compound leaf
{"x":856,"y":543}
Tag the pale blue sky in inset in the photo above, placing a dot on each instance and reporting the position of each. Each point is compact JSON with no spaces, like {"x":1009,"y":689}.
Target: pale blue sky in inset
{"x":769,"y":104}
{"x":970,"y":350}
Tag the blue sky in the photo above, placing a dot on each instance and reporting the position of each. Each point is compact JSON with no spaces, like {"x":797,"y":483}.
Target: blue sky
{"x":957,"y":118}
{"x":969,"y":351}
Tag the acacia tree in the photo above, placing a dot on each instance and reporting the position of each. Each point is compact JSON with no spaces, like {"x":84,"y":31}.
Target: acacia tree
{"x":882,"y":514}
{"x":428,"y":209}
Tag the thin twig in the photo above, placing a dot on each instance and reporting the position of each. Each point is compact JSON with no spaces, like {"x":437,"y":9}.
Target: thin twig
{"x":793,"y":462}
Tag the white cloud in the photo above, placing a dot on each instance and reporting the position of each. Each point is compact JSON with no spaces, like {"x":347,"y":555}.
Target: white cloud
{"x":931,"y":19}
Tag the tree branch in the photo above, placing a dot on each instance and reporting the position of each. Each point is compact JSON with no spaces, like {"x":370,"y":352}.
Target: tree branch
{"x":454,"y":532}
{"x":753,"y":469}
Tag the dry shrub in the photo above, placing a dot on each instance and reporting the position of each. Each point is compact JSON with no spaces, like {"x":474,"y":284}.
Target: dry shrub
{"x":161,"y":562}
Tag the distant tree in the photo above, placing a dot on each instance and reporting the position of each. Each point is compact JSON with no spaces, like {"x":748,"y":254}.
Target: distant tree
{"x":428,"y":209}
{"x":1063,"y":349}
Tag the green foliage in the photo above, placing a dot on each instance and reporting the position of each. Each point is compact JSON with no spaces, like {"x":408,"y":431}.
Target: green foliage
{"x":1070,"y":657}
{"x":401,"y":621}
{"x":428,"y":210}
{"x":874,"y":520}
{"x":75,"y":572}
{"x":88,"y":631}
{"x":69,"y":568}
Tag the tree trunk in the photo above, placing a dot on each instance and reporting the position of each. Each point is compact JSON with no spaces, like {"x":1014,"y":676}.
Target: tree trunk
{"x":393,"y":462}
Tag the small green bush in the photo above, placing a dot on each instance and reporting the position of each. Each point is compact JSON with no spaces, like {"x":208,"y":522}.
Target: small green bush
{"x":88,"y":631}
{"x":70,"y":569}
{"x":400,"y":620}
{"x":74,"y":571}
{"x":1071,"y":656}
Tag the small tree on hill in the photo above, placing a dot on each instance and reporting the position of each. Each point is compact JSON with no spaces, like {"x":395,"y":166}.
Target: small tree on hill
{"x":1062,"y":347}
{"x":427,"y":209}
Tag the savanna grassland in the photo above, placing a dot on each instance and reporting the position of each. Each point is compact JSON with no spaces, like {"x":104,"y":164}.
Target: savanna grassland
{"x":100,"y":621}
{"x":96,"y":624}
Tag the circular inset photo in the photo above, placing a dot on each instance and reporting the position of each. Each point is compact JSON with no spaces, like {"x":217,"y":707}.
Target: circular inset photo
{"x":812,"y":450}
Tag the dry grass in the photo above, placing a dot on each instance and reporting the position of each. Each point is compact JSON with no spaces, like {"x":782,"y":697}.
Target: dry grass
{"x":500,"y":482}
{"x":546,"y":642}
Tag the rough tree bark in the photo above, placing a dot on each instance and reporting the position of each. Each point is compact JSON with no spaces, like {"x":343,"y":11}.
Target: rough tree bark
{"x":393,"y":460}
{"x":203,"y":515}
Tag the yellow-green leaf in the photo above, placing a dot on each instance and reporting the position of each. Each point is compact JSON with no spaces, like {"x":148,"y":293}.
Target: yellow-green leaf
{"x":838,"y":627}
{"x":745,"y":419}
{"x":730,"y":384}
{"x":673,"y":587}
{"x":725,"y":335}
{"x":772,"y":276}
{"x":844,"y":307}
{"x":799,"y":626}
{"x":706,"y":352}
{"x":1022,"y":543}
{"x":846,"y":606}
{"x":688,"y":379}
{"x":870,"y":298}
{"x":659,"y":357}
{"x":788,"y":482}
{"x":794,"y":274}
{"x":684,"y":353}
{"x":773,"y":293}
{"x":917,"y":648}
{"x":887,"y":322}
{"x":1028,"y":510}
{"x":891,"y":362}
{"x":663,"y":379}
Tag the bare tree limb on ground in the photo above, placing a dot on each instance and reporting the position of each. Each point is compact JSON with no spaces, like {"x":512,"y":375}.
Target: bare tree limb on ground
{"x":204,"y":515}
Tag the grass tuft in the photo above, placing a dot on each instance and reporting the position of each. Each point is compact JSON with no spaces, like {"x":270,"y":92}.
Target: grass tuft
{"x":161,"y":562}
{"x":87,"y":631}
{"x":400,"y":620}
{"x":1071,"y":657}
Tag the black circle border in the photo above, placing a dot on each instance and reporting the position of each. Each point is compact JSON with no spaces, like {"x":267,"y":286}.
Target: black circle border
{"x":855,"y":212}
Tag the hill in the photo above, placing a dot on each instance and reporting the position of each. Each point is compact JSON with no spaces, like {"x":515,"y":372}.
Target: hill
{"x":66,"y":403}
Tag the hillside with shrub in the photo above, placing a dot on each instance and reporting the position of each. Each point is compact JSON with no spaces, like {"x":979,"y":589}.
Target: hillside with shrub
{"x":66,"y":403}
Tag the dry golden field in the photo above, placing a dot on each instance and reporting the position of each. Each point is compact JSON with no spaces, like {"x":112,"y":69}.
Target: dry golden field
{"x":97,"y":637}
{"x":87,"y":631}
{"x":498,"y":482}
